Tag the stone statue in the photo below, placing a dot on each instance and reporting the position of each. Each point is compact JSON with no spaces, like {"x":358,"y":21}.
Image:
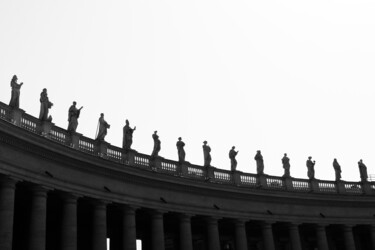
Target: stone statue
{"x":232,"y":157}
{"x":127,"y":139}
{"x":16,"y":91}
{"x":206,"y":154}
{"x":73,"y":117}
{"x":260,"y":164}
{"x":180,"y":149}
{"x":337,"y":168}
{"x":286,"y":165}
{"x":102,"y":128}
{"x":310,"y":168}
{"x":157,"y":145}
{"x":45,"y":105}
{"x":362,"y":171}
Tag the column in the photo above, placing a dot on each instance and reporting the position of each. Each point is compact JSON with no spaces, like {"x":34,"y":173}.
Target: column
{"x":7,"y":194}
{"x":129,"y":234}
{"x":213,"y":234}
{"x":157,"y":230}
{"x":241,"y":238}
{"x":38,"y":219}
{"x":349,"y":238}
{"x":294,"y":236}
{"x":322,"y":237}
{"x":372,"y":232}
{"x":99,"y":225}
{"x":186,"y":239}
{"x":69,"y":222}
{"x":268,"y":235}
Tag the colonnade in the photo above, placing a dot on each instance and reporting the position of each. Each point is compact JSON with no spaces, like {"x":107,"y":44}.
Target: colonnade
{"x":37,"y":230}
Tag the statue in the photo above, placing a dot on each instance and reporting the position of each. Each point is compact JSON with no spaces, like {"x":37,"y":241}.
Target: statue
{"x":157,"y":145}
{"x":362,"y":171}
{"x":73,"y":117}
{"x":232,"y":157}
{"x":286,"y":165}
{"x":260,"y":165}
{"x":102,"y":128}
{"x":180,"y":149}
{"x":45,"y":105}
{"x":16,"y":91}
{"x":337,"y":168}
{"x":310,"y":168}
{"x":127,"y":139}
{"x":206,"y":154}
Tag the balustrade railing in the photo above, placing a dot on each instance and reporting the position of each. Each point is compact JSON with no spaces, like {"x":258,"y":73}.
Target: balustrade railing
{"x":301,"y":185}
{"x":327,"y":187}
{"x":353,"y":188}
{"x":210,"y":174}
{"x":30,"y":123}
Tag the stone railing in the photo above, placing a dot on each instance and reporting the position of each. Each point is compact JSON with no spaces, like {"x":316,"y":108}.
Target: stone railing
{"x":184,"y":170}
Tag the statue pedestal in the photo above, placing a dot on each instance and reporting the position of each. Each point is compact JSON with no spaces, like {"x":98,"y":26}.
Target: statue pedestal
{"x":101,"y":148}
{"x":129,"y":156}
{"x":155,"y":163}
{"x":45,"y":128}
{"x":182,"y":168}
{"x":261,"y":180}
{"x":314,"y":185}
{"x":210,"y":173}
{"x":236,"y":177}
{"x":366,"y":187}
{"x":340,"y":187}
{"x":16,"y":115}
{"x":288,"y":183}
{"x":73,"y":140}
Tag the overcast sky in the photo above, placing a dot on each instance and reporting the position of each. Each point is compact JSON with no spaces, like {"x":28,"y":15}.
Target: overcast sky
{"x":292,"y":77}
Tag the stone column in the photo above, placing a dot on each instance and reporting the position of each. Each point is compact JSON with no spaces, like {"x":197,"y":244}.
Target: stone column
{"x":294,"y":236}
{"x":7,"y":194}
{"x":372,"y":232}
{"x":186,"y":239}
{"x":38,"y":218}
{"x":99,"y":225}
{"x":69,"y":222}
{"x":213,"y":234}
{"x":157,"y":230}
{"x":241,"y":238}
{"x":268,"y":235}
{"x":349,"y":237}
{"x":322,"y":237}
{"x":129,"y":235}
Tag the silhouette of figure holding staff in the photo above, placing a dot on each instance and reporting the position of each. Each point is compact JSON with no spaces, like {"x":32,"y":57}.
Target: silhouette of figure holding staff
{"x":260,"y":164}
{"x":310,"y":168}
{"x":127,"y":139}
{"x":73,"y":117}
{"x":102,"y":128}
{"x":206,"y":154}
{"x":16,"y":91}
{"x":337,"y":168}
{"x":180,"y":150}
{"x":232,"y":157}
{"x":286,"y":165}
{"x":45,"y":105}
{"x":157,"y":145}
{"x":362,"y":171}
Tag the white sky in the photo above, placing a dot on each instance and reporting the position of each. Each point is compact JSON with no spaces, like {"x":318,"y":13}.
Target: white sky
{"x":279,"y":76}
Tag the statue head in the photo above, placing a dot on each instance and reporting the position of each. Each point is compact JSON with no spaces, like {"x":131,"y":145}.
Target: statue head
{"x":101,"y":115}
{"x":284,"y":154}
{"x":74,"y":103}
{"x":205,"y":142}
{"x":310,"y":157}
{"x":14,"y":78}
{"x":179,"y":138}
{"x":233,"y":147}
{"x":44,"y":90}
{"x":155,"y":132}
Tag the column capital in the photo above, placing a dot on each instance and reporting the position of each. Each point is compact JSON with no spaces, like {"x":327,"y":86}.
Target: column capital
{"x":185,"y":216}
{"x":70,"y":197}
{"x":7,"y":181}
{"x":128,"y":208}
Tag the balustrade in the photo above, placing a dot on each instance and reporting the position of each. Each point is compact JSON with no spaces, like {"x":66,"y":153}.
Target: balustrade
{"x":188,"y":170}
